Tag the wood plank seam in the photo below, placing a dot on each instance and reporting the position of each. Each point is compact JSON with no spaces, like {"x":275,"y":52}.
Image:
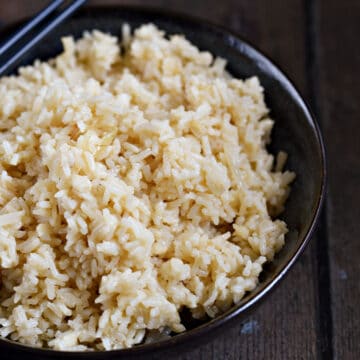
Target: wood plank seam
{"x":324,"y":311}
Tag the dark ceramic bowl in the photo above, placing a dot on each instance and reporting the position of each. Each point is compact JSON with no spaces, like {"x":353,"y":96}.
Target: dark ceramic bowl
{"x":295,"y":132}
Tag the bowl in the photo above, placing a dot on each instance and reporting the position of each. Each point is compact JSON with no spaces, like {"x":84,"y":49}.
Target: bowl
{"x":295,"y":132}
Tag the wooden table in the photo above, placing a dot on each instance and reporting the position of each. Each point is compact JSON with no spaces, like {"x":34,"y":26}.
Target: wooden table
{"x":315,"y":312}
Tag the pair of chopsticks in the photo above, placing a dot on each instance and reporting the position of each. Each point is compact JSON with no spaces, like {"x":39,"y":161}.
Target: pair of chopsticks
{"x":36,"y":29}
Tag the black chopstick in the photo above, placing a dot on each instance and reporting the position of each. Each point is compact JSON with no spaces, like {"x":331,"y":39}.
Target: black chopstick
{"x":8,"y":64}
{"x":30,"y":25}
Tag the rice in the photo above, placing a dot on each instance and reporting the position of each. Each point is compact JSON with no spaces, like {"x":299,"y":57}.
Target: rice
{"x":134,"y":183}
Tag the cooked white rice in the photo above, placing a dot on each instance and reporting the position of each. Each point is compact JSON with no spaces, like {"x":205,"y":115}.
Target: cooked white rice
{"x":134,"y":182}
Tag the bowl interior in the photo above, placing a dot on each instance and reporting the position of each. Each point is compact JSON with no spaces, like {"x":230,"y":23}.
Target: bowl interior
{"x":294,"y":131}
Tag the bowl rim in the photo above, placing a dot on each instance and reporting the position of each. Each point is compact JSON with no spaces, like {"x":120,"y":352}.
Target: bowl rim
{"x":251,"y":52}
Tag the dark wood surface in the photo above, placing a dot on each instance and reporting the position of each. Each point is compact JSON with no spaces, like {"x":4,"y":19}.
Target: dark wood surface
{"x":315,"y":312}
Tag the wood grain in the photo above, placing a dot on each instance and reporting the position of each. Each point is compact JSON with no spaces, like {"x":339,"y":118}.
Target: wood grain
{"x":19,"y":9}
{"x":338,"y":30}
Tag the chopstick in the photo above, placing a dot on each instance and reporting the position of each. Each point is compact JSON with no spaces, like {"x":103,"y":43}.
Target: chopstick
{"x":18,"y":47}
